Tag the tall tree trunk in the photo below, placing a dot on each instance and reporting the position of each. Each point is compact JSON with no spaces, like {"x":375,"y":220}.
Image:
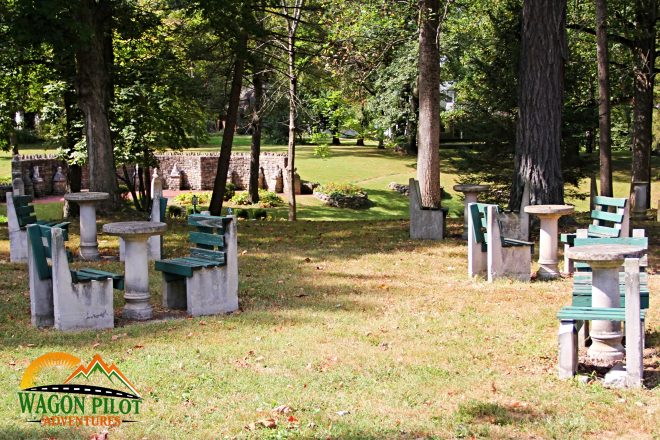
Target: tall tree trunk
{"x":94,"y":61}
{"x":255,"y":147}
{"x":642,"y":105}
{"x":292,"y":26}
{"x":74,"y":174}
{"x":538,"y":131}
{"x":230,"y":126}
{"x":604,"y":126}
{"x":428,"y":158}
{"x":335,"y":128}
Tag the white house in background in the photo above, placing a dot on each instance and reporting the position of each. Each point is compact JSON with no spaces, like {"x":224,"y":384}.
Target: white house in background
{"x":447,"y":95}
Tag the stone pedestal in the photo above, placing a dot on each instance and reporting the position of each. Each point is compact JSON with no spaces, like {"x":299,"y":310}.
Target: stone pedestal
{"x":605,"y":261}
{"x":425,"y":223}
{"x":639,"y":198}
{"x":471,"y":192}
{"x":549,"y":215}
{"x":89,"y":247}
{"x":59,"y":182}
{"x":135,"y":236}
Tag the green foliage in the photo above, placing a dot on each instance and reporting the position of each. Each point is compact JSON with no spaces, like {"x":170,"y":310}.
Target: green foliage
{"x":260,"y":214}
{"x":185,"y":199}
{"x":242,"y":213}
{"x":241,"y":198}
{"x":175,"y":211}
{"x":322,"y":151}
{"x":269,"y":199}
{"x":342,"y":189}
{"x":230,"y":190}
{"x":318,"y":138}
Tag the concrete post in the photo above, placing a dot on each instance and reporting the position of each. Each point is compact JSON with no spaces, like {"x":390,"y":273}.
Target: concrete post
{"x":156,"y":241}
{"x":634,"y":328}
{"x":136,"y":279}
{"x":494,"y":244}
{"x":18,"y":252}
{"x":606,"y":336}
{"x":89,"y":247}
{"x":568,"y":356}
{"x":548,"y":263}
{"x":41,"y":294}
{"x":476,"y":257}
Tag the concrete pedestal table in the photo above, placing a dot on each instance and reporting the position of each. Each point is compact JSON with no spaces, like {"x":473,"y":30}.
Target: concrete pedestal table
{"x":605,"y":261}
{"x":136,"y":276}
{"x":471,"y":192}
{"x":89,"y":247}
{"x":549,"y":215}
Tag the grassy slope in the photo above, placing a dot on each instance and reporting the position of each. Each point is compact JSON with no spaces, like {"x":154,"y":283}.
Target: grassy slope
{"x":341,"y":316}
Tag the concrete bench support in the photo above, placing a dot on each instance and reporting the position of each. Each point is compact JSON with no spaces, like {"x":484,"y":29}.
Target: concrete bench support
{"x":425,"y":223}
{"x":18,"y":245}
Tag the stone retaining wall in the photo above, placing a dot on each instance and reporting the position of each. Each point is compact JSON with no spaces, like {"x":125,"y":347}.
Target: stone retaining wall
{"x":195,"y":171}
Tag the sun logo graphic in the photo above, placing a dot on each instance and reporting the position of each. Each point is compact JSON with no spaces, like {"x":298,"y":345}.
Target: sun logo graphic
{"x":58,"y":389}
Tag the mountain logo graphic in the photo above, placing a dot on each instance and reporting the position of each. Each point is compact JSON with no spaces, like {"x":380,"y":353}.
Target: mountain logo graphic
{"x":81,"y":373}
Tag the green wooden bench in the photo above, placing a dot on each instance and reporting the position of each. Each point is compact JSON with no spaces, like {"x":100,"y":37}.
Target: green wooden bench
{"x":491,"y":252}
{"x":20,"y":214}
{"x":63,"y":297}
{"x":205,"y":281}
{"x":610,"y":219}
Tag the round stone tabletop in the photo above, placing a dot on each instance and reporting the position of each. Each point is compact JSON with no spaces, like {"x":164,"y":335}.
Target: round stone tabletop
{"x":126,"y":229}
{"x":86,"y":196}
{"x":549,"y":209}
{"x":471,"y":188}
{"x":605,"y":252}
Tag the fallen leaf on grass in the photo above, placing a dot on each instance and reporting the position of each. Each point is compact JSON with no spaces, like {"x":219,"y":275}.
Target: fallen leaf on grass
{"x":343,"y":413}
{"x":189,"y":335}
{"x":307,"y":260}
{"x":492,"y":387}
{"x":244,"y":252}
{"x":292,"y":420}
{"x":202,"y":322}
{"x":12,"y":363}
{"x":138,"y":346}
{"x":115,"y":337}
{"x":96,"y":344}
{"x":282,"y":409}
{"x":268,"y":423}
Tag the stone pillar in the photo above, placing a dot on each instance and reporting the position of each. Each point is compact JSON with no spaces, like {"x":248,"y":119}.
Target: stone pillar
{"x":18,"y":186}
{"x":605,"y":335}
{"x":548,"y":262}
{"x":37,"y":182}
{"x":639,"y":198}
{"x":156,"y":241}
{"x":175,"y":177}
{"x":279,"y":182}
{"x":89,"y":247}
{"x":59,"y":182}
{"x":136,"y":279}
{"x":634,"y":329}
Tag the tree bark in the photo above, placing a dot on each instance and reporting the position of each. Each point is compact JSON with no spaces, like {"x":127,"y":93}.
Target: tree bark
{"x":604,"y":126}
{"x":230,"y":126}
{"x":94,"y":62}
{"x":292,"y":27}
{"x":642,"y":104}
{"x":428,"y":159}
{"x":255,"y":147}
{"x":540,"y":100}
{"x":74,"y":174}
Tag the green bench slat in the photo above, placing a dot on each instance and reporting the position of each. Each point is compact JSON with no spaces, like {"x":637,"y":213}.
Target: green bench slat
{"x":206,"y":221}
{"x":201,"y":261}
{"x":218,"y":256}
{"x":594,"y":314}
{"x":207,"y":239}
{"x":617,"y":202}
{"x":163,"y":208}
{"x":175,"y":268}
{"x":22,"y":200}
{"x":23,"y":211}
{"x":606,"y":216}
{"x":513,"y":242}
{"x":586,"y":277}
{"x":117,"y":280}
{"x":636,"y":241}
{"x":27,"y":220}
{"x":603,"y":231}
{"x":585,"y":301}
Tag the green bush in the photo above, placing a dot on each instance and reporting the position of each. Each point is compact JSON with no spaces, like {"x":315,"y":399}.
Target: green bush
{"x":230,"y":190}
{"x":343,"y":189}
{"x":6,"y":180}
{"x":268,"y":199}
{"x":241,"y":198}
{"x":322,"y":151}
{"x":318,"y":138}
{"x":185,"y":199}
{"x":242,"y":213}
{"x":174,"y":211}
{"x":260,"y":214}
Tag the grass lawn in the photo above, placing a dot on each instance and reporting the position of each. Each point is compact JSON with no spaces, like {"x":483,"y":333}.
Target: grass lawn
{"x":361,"y":331}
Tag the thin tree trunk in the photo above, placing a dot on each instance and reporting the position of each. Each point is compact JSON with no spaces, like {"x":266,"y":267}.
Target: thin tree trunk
{"x":255,"y":148}
{"x":292,"y":27}
{"x":428,"y":158}
{"x":642,"y":105}
{"x":538,"y":131}
{"x":74,"y":174}
{"x":412,"y":125}
{"x":94,"y":62}
{"x":230,"y":126}
{"x":604,"y":126}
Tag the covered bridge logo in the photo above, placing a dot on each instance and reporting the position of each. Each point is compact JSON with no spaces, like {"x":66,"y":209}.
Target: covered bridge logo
{"x":57,"y":389}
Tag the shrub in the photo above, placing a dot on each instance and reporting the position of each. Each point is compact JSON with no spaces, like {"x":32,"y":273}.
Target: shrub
{"x":342,"y":189}
{"x":322,"y":151}
{"x":242,"y":213}
{"x":318,"y":138}
{"x":174,"y":211}
{"x":260,"y":214}
{"x":241,"y":198}
{"x":185,"y":199}
{"x":230,"y":190}
{"x":268,"y":199}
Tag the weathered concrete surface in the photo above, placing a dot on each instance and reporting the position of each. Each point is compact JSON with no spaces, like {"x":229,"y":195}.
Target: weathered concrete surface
{"x":425,"y":224}
{"x":471,"y":193}
{"x":87,"y":305}
{"x":18,"y":245}
{"x":89,"y":247}
{"x":41,"y":295}
{"x":549,"y":234}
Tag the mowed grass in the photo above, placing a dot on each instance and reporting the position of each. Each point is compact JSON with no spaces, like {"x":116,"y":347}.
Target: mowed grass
{"x":360,"y":331}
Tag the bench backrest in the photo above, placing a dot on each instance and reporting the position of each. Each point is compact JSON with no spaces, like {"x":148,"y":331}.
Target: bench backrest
{"x":610,"y":218}
{"x":478,"y":212}
{"x":208,"y":235}
{"x":24,"y":210}
{"x":40,"y":240}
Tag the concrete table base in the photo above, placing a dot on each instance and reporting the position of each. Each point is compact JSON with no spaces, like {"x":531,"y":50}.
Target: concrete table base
{"x":549,"y":215}
{"x":89,"y":247}
{"x":136,"y":276}
{"x":471,"y":192}
{"x":605,"y":261}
